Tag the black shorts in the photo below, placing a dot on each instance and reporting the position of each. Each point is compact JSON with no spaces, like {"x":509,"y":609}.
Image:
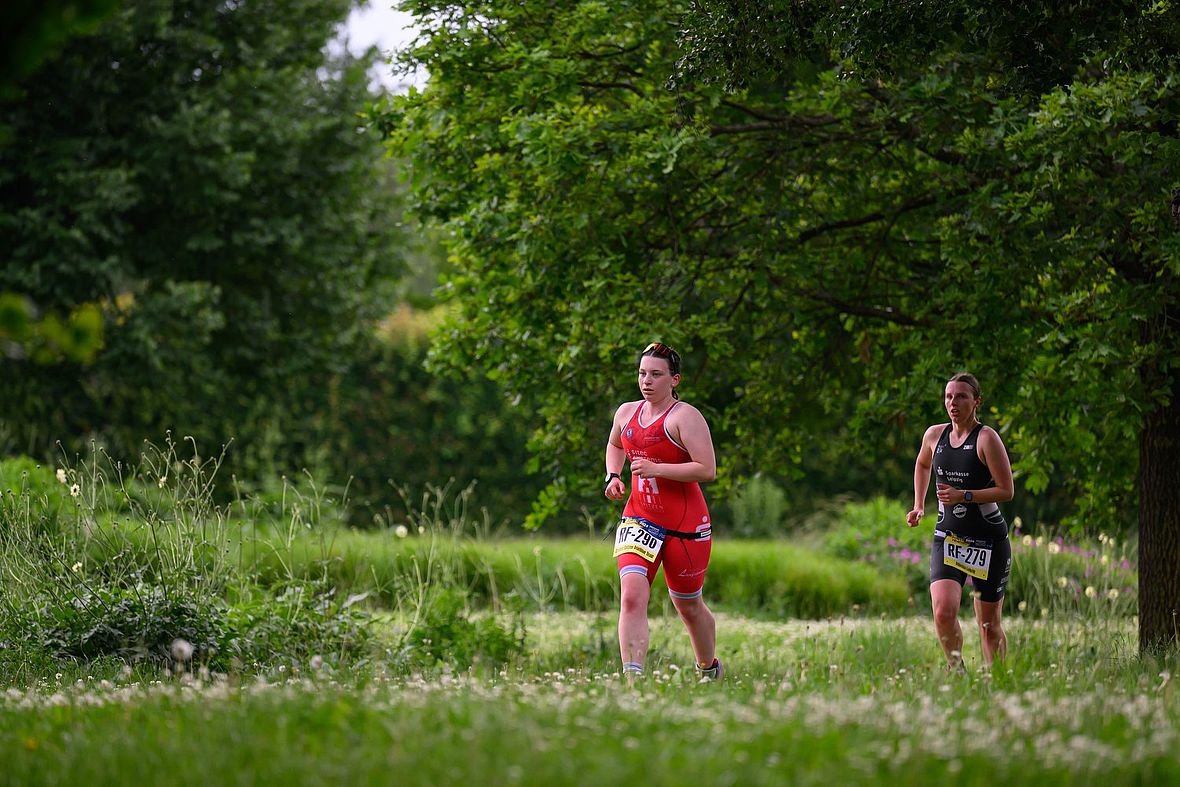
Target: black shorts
{"x":999,"y":569}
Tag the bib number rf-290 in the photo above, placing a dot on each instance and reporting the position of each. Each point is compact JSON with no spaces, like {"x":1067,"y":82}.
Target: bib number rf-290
{"x":639,"y":538}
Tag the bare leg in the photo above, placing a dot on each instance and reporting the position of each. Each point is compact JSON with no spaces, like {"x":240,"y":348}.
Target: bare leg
{"x":701,"y":625}
{"x":992,"y":638}
{"x":633,"y":631}
{"x":945,"y":596}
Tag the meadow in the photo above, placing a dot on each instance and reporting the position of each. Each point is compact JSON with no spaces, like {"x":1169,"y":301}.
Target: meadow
{"x":152,"y":635}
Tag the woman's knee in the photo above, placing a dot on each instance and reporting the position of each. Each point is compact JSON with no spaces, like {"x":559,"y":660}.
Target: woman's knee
{"x":634,"y":597}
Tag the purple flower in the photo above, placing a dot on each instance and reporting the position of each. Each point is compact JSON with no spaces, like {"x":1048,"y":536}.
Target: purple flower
{"x":892,"y":541}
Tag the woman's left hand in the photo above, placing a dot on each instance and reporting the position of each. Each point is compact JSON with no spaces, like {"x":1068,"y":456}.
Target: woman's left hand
{"x":644,"y":468}
{"x":948,"y":494}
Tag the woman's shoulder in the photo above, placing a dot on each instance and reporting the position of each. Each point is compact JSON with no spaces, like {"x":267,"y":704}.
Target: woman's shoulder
{"x":934,"y":431}
{"x":682,"y":410}
{"x":627,"y":408}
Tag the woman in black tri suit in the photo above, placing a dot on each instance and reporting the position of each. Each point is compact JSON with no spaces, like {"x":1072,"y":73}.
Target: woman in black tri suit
{"x":972,"y":475}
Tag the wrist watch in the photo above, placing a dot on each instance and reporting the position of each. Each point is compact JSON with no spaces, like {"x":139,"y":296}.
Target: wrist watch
{"x":609,"y":476}
{"x":967,"y":496}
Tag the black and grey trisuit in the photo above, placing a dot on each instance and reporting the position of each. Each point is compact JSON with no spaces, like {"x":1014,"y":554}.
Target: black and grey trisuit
{"x":981,"y":525}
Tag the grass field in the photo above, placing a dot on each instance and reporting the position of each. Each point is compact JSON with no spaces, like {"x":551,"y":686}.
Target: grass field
{"x":827,"y":702}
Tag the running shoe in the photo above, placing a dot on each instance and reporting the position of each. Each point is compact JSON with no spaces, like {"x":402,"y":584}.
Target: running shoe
{"x":712,"y":673}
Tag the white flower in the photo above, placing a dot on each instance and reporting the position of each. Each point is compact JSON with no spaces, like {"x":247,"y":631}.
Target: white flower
{"x":1091,"y":592}
{"x":1017,"y":522}
{"x":1062,"y":582}
{"x":1022,"y":606}
{"x":75,"y":490}
{"x":317,"y":663}
{"x":401,"y":531}
{"x":1112,"y":594}
{"x":1054,"y":547}
{"x":77,"y":567}
{"x":421,"y":529}
{"x":163,"y":480}
{"x":61,"y":475}
{"x":1027,"y":541}
{"x":182,"y":649}
{"x":1104,"y":559}
{"x":1040,"y":540}
{"x":1102,"y":538}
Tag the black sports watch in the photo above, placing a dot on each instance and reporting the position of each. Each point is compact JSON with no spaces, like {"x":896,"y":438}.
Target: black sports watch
{"x":609,"y":476}
{"x":967,"y":496}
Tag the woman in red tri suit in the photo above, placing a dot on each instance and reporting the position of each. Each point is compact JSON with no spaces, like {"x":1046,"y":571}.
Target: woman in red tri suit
{"x":665,"y":521}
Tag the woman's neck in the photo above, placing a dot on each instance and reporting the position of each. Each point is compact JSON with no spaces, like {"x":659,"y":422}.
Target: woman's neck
{"x":657,"y":408}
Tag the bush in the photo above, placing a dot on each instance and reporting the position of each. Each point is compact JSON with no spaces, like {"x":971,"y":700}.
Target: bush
{"x":445,"y":632}
{"x":758,"y":509}
{"x":1049,"y":574}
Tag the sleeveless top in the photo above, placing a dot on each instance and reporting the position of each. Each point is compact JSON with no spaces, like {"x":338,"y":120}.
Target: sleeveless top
{"x":676,"y":505}
{"x":962,"y":468}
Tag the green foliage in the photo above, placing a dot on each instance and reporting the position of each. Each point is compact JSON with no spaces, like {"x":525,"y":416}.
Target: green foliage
{"x":1050,"y":575}
{"x":128,"y":560}
{"x":445,"y":633}
{"x":193,"y":178}
{"x":758,"y":508}
{"x":932,"y":189}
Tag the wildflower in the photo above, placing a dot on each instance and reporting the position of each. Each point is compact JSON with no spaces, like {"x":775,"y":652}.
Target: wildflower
{"x":1044,"y":612}
{"x":163,"y":480}
{"x":182,"y":649}
{"x":1022,"y":606}
{"x":1054,"y":548}
{"x":77,"y":567}
{"x":1027,"y":541}
{"x":1102,"y":538}
{"x":1090,"y":591}
{"x":317,"y":662}
{"x":401,"y":531}
{"x":75,"y":490}
{"x":1040,"y":540}
{"x":1112,"y":594}
{"x":1018,"y":523}
{"x":1062,"y":582}
{"x":1104,"y":559}
{"x":421,"y":529}
{"x":1110,"y":542}
{"x":61,"y":475}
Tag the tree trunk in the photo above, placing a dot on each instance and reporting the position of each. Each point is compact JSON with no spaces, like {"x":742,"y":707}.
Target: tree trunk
{"x":1159,"y":525}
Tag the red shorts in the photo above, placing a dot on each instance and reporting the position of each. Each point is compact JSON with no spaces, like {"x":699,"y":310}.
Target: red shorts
{"x":685,"y":562}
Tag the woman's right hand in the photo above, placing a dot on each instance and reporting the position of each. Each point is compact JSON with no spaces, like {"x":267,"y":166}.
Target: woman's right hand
{"x":914,"y":517}
{"x":616,"y":489}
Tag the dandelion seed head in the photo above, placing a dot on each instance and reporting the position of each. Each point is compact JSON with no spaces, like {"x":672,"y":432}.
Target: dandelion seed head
{"x":1062,"y":582}
{"x":1022,"y":606}
{"x":1027,"y":541}
{"x":1054,"y":548}
{"x":1090,"y":591}
{"x":182,"y":649}
{"x":1112,"y":594}
{"x":401,"y":531}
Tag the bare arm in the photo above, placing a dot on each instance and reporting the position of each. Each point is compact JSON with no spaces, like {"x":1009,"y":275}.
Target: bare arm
{"x":922,"y":467}
{"x":688,"y":427}
{"x":615,"y":456}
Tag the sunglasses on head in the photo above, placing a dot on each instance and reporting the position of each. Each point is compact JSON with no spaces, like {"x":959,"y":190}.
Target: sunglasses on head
{"x":661,"y":350}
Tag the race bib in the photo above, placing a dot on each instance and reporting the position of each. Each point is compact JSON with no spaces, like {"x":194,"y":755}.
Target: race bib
{"x":970,"y":558}
{"x":638,"y":537}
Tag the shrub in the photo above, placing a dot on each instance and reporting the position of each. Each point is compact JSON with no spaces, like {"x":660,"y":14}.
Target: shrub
{"x":758,"y":509}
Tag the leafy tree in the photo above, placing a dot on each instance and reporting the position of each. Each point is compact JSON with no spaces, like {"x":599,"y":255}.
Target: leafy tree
{"x":198,"y":171}
{"x":829,"y":219}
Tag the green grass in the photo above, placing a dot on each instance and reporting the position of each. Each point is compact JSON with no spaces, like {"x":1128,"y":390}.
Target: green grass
{"x":854,"y":701}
